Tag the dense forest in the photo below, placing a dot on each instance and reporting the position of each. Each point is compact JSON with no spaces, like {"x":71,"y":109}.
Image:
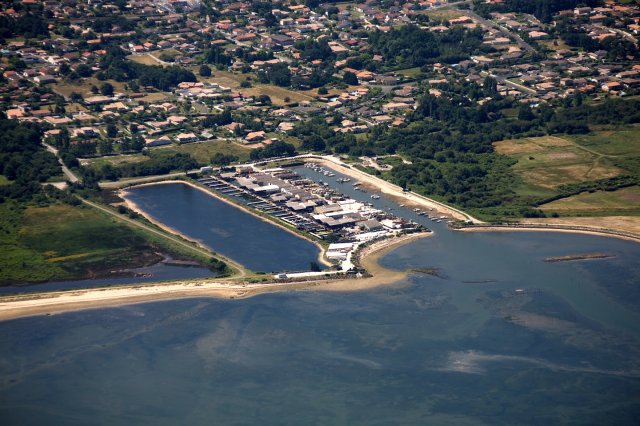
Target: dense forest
{"x":409,"y":46}
{"x":115,"y":66}
{"x":28,"y":25}
{"x":23,"y":160}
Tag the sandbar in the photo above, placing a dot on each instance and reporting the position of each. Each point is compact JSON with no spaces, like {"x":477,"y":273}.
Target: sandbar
{"x":51,"y":303}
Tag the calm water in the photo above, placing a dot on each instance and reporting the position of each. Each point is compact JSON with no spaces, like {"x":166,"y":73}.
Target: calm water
{"x":497,"y":337}
{"x":157,"y":272}
{"x":226,"y":229}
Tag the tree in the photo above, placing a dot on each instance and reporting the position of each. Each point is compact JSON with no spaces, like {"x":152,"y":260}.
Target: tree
{"x":84,"y":70}
{"x":220,"y":159}
{"x":264,"y":100}
{"x":322,"y":91}
{"x":64,"y":69}
{"x":525,"y":113}
{"x":490,"y":86}
{"x":205,"y":71}
{"x":106,"y":146}
{"x":106,"y":89}
{"x":350,"y":78}
{"x":75,"y":97}
{"x":112,"y":130}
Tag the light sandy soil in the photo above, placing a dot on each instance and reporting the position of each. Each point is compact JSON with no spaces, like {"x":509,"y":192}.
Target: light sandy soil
{"x":12,"y":307}
{"x":623,"y":227}
{"x":629,"y":224}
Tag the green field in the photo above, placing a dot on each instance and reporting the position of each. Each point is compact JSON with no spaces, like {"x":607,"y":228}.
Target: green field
{"x":4,"y":180}
{"x":612,"y":142}
{"x":116,"y":160}
{"x":545,"y":163}
{"x":203,"y":151}
{"x":410,"y":72}
{"x":61,"y":242}
{"x":548,"y":162}
{"x":625,"y":201}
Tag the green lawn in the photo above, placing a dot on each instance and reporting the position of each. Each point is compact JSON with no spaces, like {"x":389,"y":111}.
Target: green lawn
{"x":612,"y":142}
{"x":545,"y":163}
{"x":63,"y":242}
{"x":410,"y":72}
{"x":625,"y":201}
{"x":203,"y":151}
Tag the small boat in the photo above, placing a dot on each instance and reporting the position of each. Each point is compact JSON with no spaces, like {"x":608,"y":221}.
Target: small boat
{"x":375,"y":196}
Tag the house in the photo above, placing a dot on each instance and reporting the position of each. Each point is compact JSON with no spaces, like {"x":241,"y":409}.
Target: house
{"x":85,"y":132}
{"x":186,"y":137}
{"x":255,"y":137}
{"x":164,"y":140}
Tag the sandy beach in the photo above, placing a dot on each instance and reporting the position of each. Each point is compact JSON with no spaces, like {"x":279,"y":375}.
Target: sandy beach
{"x":25,"y":305}
{"x":567,"y":227}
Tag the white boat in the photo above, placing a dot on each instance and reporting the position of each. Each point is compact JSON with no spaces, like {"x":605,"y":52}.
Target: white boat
{"x":374,"y":196}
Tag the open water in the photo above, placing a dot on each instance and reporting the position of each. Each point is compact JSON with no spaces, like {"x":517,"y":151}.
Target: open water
{"x":493,"y":334}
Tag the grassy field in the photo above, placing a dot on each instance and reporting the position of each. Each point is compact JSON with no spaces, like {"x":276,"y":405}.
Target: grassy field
{"x":548,"y":162}
{"x":84,"y":86}
{"x":203,"y":151}
{"x":612,"y":142}
{"x":625,"y":201}
{"x":64,"y":242}
{"x":545,"y":163}
{"x":410,"y":72}
{"x":276,"y":93}
{"x":445,"y":14}
{"x":4,"y":180}
{"x":116,"y":160}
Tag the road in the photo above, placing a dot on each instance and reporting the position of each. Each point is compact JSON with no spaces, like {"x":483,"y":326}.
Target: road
{"x":146,"y":179}
{"x":71,"y":177}
{"x":507,"y":33}
{"x":506,"y":82}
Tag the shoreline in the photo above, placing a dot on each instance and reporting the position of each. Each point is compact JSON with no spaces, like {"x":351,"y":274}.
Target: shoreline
{"x":578,"y":229}
{"x":133,"y":206}
{"x":51,"y":303}
{"x":393,"y":191}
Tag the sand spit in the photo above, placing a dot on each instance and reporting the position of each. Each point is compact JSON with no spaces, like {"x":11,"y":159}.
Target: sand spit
{"x":541,"y":227}
{"x":24,"y":305}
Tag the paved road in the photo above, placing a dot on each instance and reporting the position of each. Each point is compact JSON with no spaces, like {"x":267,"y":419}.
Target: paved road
{"x":71,"y":177}
{"x":507,"y":33}
{"x":506,"y":82}
{"x":121,"y":183}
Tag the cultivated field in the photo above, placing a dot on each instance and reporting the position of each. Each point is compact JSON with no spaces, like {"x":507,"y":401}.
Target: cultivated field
{"x":622,"y":201}
{"x":548,"y":162}
{"x":545,"y":163}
